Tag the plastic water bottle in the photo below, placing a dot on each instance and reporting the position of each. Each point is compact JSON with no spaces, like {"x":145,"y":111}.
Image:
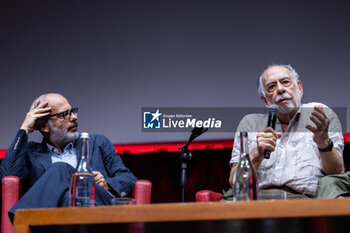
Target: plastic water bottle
{"x":82,"y":189}
{"x":245,"y":182}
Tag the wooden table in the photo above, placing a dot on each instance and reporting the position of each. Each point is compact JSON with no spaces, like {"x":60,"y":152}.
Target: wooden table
{"x":212,"y":215}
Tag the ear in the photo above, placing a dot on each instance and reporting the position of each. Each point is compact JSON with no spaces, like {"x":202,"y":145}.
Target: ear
{"x":263,"y":99}
{"x":300,"y":85}
{"x":43,"y":127}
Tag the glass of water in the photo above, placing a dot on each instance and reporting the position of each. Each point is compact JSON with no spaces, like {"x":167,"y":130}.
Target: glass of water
{"x":272,"y":194}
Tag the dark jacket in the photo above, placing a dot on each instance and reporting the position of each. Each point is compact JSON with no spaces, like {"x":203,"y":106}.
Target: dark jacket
{"x":30,"y":160}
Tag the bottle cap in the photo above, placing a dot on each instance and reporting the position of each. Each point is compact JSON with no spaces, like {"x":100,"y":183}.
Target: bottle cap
{"x":243,"y":134}
{"x":84,"y":135}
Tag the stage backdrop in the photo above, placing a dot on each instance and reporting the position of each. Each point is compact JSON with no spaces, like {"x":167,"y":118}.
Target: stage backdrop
{"x":111,"y":58}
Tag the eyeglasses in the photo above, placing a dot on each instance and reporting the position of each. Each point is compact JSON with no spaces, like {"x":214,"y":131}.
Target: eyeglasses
{"x":65,"y":113}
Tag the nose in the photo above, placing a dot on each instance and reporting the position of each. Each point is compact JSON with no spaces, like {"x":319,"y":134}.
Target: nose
{"x":73,"y":117}
{"x":280,"y":88}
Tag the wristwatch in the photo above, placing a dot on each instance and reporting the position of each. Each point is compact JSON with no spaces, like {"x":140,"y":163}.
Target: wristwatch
{"x":328,"y":148}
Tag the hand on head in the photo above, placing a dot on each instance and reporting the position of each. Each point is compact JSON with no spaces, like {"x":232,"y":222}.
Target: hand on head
{"x":41,"y":110}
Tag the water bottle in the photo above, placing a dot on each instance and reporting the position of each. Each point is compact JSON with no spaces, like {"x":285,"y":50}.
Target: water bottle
{"x":245,"y":182}
{"x":81,"y":191}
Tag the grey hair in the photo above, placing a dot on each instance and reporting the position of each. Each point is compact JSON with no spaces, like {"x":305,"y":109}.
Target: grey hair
{"x":42,"y":98}
{"x":294,"y":73}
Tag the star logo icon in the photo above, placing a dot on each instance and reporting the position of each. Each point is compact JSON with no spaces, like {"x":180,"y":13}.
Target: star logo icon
{"x":151,"y":119}
{"x":156,"y":115}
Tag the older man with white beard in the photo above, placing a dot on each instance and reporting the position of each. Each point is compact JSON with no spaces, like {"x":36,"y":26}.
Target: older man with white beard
{"x":46,"y":168}
{"x":306,"y":144}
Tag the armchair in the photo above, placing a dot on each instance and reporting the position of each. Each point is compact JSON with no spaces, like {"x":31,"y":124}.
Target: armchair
{"x":11,"y":193}
{"x":208,"y":196}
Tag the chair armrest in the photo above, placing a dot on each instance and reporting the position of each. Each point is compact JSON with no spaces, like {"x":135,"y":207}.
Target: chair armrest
{"x":10,"y":196}
{"x":207,"y":196}
{"x":142,"y":192}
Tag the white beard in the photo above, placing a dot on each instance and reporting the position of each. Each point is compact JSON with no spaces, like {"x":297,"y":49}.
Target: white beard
{"x":61,"y":137}
{"x":292,"y":105}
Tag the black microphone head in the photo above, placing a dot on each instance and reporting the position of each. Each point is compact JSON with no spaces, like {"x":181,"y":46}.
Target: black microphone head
{"x":273,"y":109}
{"x":197,"y":132}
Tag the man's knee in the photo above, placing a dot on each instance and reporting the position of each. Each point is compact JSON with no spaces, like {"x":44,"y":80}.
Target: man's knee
{"x":60,"y":169}
{"x":326,"y":180}
{"x":334,"y":179}
{"x":332,"y":186}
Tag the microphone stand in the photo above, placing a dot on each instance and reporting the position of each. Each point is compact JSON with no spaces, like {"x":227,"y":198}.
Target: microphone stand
{"x":186,"y":156}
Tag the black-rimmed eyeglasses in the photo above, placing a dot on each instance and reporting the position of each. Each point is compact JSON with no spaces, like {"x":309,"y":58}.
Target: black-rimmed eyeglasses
{"x":65,"y":113}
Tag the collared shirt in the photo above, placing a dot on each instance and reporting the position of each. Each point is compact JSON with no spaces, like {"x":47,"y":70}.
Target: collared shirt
{"x":296,"y":161}
{"x":69,"y":154}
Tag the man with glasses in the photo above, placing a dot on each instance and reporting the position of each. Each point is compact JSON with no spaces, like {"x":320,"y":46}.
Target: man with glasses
{"x":46,"y":168}
{"x":306,"y":145}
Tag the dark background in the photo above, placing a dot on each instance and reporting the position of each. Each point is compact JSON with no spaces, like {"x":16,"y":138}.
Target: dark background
{"x":111,"y":58}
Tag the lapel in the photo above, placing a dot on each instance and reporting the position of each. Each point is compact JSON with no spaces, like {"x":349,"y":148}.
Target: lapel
{"x":91,"y":147}
{"x":77,"y":149}
{"x":43,"y":156}
{"x":76,"y":145}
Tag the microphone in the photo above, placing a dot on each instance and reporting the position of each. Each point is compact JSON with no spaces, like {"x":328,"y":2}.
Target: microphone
{"x":196,"y":132}
{"x":271,"y":122}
